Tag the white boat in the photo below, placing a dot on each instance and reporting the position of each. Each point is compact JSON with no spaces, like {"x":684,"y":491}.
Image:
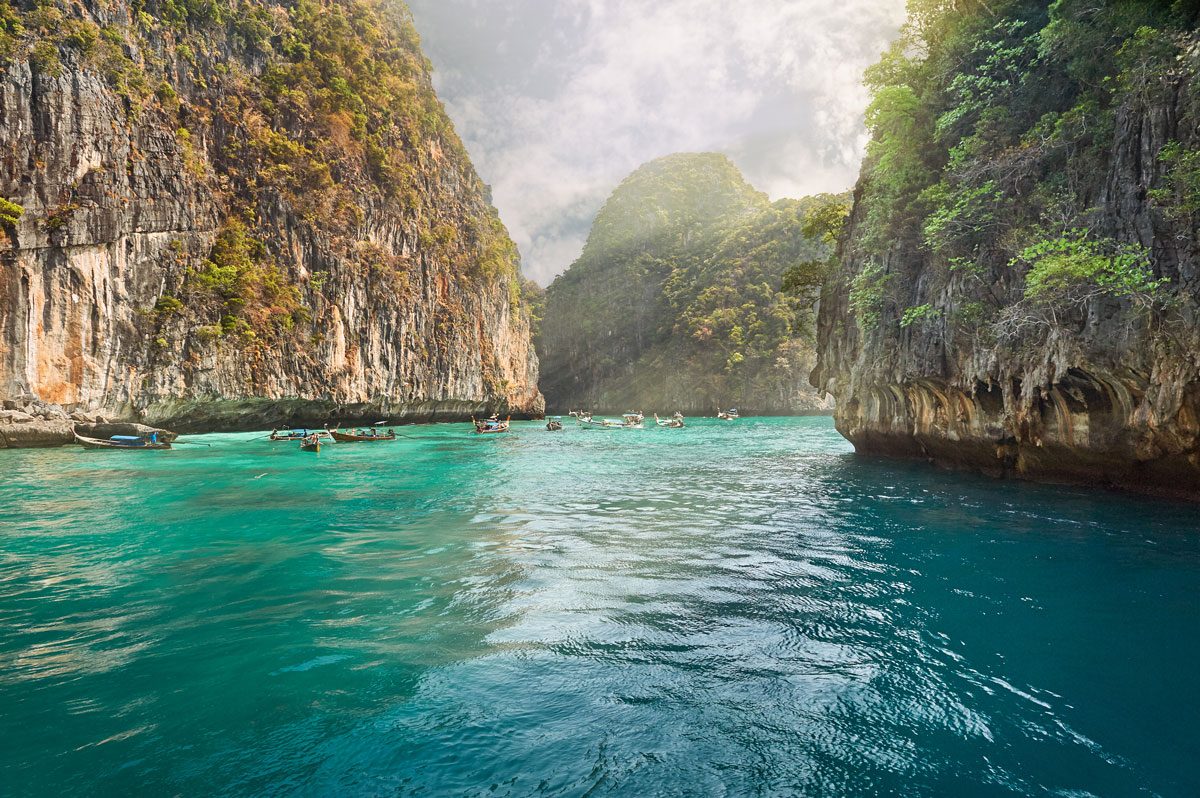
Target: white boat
{"x":729,"y":415}
{"x":675,"y":422}
{"x":147,"y":442}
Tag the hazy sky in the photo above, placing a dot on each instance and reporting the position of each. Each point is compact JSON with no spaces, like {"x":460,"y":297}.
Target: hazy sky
{"x":558,"y":100}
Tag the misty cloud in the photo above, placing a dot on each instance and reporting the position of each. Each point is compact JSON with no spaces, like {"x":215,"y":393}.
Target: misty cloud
{"x":558,"y":100}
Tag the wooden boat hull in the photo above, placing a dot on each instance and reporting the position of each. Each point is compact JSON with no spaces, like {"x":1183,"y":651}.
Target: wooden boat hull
{"x":608,"y":425}
{"x":345,"y":437}
{"x":311,"y":447}
{"x":323,"y":435}
{"x":96,"y":444}
{"x":483,"y":428}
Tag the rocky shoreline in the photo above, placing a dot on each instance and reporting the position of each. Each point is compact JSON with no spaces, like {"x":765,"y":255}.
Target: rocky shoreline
{"x":30,"y":423}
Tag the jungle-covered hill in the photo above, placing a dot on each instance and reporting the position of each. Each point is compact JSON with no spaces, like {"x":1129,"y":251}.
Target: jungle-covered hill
{"x":677,"y":301}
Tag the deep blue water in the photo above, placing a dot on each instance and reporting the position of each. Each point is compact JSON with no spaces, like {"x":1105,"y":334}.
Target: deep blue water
{"x":734,"y":609}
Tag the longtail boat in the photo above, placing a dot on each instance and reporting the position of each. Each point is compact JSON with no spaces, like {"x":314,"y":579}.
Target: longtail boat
{"x":554,"y":425}
{"x":608,"y":423}
{"x":362,"y":435}
{"x":490,"y":426}
{"x":298,"y":434}
{"x":142,"y":442}
{"x":311,"y":444}
{"x":727,"y":416}
{"x":675,"y":422}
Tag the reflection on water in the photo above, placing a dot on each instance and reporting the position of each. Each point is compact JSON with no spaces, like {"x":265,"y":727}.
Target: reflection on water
{"x":742,"y":609}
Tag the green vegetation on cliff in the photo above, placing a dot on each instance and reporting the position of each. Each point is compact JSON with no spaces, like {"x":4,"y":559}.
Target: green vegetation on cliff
{"x":992,"y":125}
{"x":326,"y":105}
{"x":278,"y":191}
{"x":1018,"y":278}
{"x":678,"y":299}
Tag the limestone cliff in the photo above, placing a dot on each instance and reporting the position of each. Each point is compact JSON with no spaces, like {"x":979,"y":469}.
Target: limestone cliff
{"x":1018,"y":280}
{"x":239,"y":214}
{"x":677,"y":302}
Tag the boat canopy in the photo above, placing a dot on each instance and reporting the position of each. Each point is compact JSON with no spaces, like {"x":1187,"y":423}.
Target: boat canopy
{"x":129,"y":437}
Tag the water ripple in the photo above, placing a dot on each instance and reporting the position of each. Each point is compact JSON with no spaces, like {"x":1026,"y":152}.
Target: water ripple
{"x":738,"y":610}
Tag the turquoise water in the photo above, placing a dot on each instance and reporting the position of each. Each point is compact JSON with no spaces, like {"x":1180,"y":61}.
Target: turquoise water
{"x":732,"y":609}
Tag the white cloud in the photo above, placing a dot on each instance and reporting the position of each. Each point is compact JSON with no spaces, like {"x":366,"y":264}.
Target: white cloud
{"x":558,"y":101}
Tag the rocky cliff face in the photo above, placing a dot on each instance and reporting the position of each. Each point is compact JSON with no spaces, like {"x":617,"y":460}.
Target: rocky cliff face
{"x":676,"y":303}
{"x":1027,"y":305}
{"x":243,"y":215}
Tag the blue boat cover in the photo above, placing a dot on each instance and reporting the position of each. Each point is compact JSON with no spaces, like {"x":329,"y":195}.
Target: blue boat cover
{"x":126,"y":438}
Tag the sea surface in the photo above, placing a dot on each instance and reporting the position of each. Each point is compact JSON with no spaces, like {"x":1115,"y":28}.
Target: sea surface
{"x":734,"y":609}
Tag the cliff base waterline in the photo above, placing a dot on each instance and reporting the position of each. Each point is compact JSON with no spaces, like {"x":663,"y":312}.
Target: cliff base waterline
{"x":52,"y":426}
{"x":1086,"y":430}
{"x":255,"y":414}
